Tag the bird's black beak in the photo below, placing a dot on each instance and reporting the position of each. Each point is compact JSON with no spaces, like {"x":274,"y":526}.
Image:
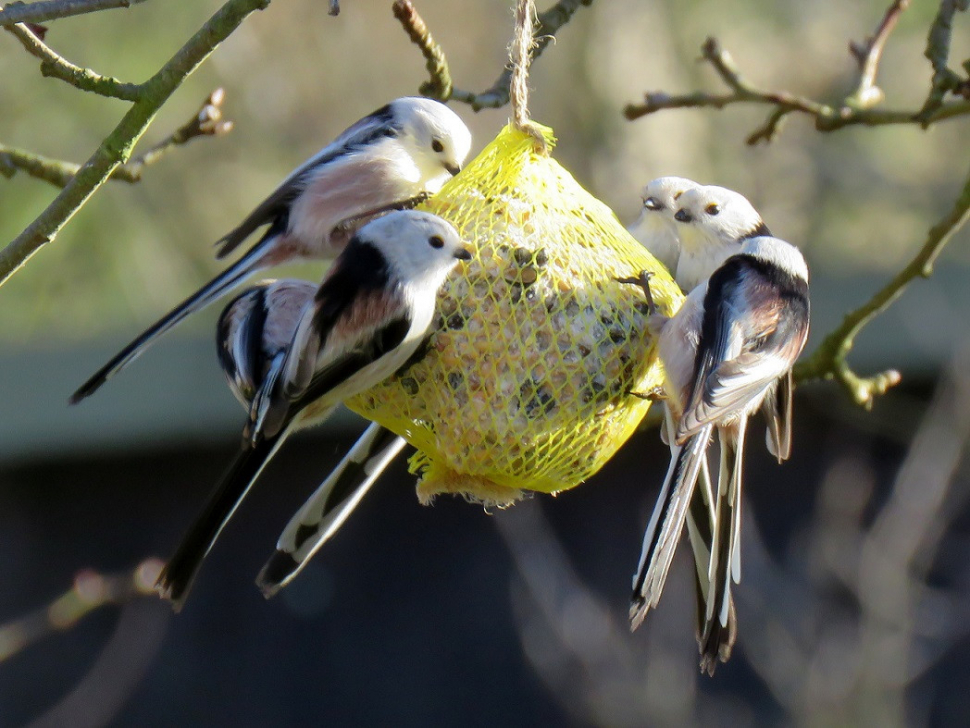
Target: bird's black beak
{"x":463,"y":254}
{"x":682,"y":215}
{"x":453,"y":169}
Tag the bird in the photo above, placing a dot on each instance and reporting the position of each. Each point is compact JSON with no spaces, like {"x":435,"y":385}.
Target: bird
{"x":656,"y":228}
{"x":658,"y":231}
{"x":728,"y":349}
{"x":369,"y":315}
{"x":713,"y":222}
{"x":391,"y":159}
{"x":329,"y":506}
{"x":252,"y":334}
{"x":254,"y":330}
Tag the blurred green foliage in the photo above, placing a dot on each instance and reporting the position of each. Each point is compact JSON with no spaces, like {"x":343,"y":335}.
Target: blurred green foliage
{"x":857,"y":200}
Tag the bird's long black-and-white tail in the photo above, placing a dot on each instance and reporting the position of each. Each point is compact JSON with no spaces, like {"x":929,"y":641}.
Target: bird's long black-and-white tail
{"x":666,"y":524}
{"x":726,"y":551}
{"x":211,"y":291}
{"x":717,"y":643}
{"x":176,"y":578}
{"x":329,"y":506}
{"x":700,"y":530}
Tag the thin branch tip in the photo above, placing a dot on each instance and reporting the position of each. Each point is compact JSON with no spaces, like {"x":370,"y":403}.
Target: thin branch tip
{"x":439,"y":86}
{"x":857,"y":108}
{"x":829,"y":360}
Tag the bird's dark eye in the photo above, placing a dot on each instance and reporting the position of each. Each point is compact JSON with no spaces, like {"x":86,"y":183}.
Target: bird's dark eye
{"x":436,"y":242}
{"x":437,"y":145}
{"x":712,"y":209}
{"x":652,"y":203}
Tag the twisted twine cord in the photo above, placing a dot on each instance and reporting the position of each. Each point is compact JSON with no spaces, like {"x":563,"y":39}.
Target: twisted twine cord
{"x":520,"y":51}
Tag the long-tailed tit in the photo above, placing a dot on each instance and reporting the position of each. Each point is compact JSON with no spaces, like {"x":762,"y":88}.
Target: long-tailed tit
{"x":729,"y":347}
{"x":656,"y":228}
{"x":390,"y":159}
{"x":367,"y":318}
{"x":252,"y":336}
{"x":255,"y":329}
{"x":713,"y":222}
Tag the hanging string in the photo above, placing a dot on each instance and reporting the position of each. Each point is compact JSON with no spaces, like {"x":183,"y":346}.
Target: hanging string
{"x":520,"y":52}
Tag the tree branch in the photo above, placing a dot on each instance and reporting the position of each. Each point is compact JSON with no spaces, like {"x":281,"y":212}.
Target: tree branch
{"x":207,"y":122}
{"x":39,"y":12}
{"x":91,"y":590}
{"x":938,"y":53}
{"x":497,"y":95}
{"x":115,"y":150}
{"x":828,"y":361}
{"x":869,"y":54}
{"x":827,"y":118}
{"x":439,"y":87}
{"x":54,"y":66}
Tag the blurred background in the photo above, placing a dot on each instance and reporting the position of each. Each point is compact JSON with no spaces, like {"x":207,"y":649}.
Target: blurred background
{"x":856,"y":594}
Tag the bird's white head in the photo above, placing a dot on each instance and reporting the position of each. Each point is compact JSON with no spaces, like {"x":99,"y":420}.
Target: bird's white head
{"x":712,"y":215}
{"x":434,"y":136}
{"x":779,"y":253}
{"x":655,"y":228}
{"x":420,"y":248}
{"x":662,"y":194}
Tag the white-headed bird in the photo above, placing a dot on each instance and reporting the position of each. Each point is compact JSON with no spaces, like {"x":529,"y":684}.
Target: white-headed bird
{"x":388,"y":160}
{"x":656,"y":228}
{"x":726,"y":352}
{"x":370,"y":314}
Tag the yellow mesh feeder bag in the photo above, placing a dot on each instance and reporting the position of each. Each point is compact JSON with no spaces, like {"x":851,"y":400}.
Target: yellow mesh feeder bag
{"x":526,"y":382}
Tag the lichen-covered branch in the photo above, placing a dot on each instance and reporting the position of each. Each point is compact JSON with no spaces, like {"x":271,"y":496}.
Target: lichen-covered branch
{"x":55,"y":171}
{"x":116,"y":149}
{"x":40,"y":12}
{"x":497,"y":95}
{"x":827,"y":117}
{"x":829,"y":360}
{"x":54,"y":66}
{"x":207,"y":122}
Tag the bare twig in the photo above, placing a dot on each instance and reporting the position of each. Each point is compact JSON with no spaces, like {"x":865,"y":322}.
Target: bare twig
{"x":207,"y":122}
{"x":116,"y":148}
{"x":827,"y":118}
{"x":869,"y":54}
{"x":54,"y":66}
{"x":41,"y":12}
{"x":937,"y":52}
{"x":91,"y":590}
{"x":55,"y":171}
{"x":439,"y":87}
{"x":828,"y":361}
{"x":497,"y":95}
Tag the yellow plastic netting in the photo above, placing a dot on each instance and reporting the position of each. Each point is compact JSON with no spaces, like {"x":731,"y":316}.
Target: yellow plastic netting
{"x":526,"y":381}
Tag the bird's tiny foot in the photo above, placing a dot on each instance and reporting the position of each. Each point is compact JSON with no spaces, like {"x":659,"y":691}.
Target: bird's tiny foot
{"x":642,"y":280}
{"x":655,"y":394}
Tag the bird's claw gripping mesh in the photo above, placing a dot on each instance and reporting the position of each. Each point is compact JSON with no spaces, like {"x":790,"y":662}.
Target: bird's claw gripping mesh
{"x":526,"y":383}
